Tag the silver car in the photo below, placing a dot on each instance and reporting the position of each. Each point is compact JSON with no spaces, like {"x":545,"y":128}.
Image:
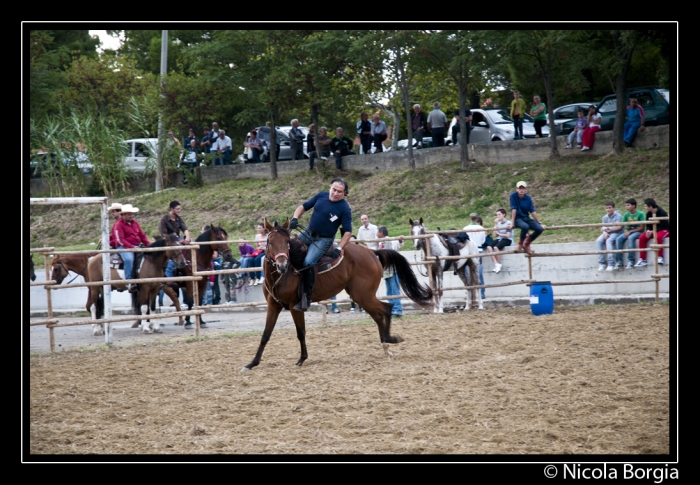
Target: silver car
{"x":284,"y":142}
{"x":495,"y":124}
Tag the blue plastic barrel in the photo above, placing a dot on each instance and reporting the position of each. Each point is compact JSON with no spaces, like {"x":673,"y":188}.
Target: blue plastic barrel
{"x":541,"y":298}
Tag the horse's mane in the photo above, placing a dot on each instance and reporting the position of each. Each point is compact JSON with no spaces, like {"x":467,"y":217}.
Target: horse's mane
{"x":160,"y":243}
{"x":206,"y":236}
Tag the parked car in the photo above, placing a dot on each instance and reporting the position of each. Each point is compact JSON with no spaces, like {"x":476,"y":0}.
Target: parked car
{"x":44,"y":162}
{"x":565,"y":113}
{"x":656,"y":109}
{"x":141,"y":152}
{"x":427,"y":142}
{"x":495,"y":124}
{"x":284,"y":142}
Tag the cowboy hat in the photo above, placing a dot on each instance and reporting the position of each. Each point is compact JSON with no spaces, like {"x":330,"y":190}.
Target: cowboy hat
{"x":115,"y":206}
{"x":128,"y":208}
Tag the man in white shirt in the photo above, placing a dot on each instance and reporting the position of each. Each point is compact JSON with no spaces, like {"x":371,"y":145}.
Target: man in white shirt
{"x":367,"y":231}
{"x":479,"y":238}
{"x":223,"y":147}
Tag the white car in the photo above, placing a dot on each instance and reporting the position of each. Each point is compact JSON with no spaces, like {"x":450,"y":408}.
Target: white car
{"x":139,"y":152}
{"x":495,"y":124}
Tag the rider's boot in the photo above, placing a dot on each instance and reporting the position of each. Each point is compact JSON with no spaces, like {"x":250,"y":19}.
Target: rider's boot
{"x":305,"y":288}
{"x":526,"y":245}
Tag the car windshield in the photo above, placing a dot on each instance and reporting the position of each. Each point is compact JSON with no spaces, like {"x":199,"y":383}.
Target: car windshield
{"x":500,"y":116}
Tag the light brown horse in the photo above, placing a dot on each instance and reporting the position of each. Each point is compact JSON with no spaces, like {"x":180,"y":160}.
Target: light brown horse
{"x":154,"y":267}
{"x":359,"y":271}
{"x":61,"y":264}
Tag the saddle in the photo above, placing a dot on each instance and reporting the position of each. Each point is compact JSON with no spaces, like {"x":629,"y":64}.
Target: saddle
{"x":326,"y":262}
{"x":454,"y":245}
{"x":117,"y":262}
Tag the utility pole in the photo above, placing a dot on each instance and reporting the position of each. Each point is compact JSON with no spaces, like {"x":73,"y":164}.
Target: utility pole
{"x":161,"y":127}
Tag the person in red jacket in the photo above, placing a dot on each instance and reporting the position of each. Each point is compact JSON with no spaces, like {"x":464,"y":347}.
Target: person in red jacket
{"x":115,"y":211}
{"x":128,"y":234}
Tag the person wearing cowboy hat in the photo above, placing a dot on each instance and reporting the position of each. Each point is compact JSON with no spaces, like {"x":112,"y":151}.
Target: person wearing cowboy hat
{"x":115,"y":210}
{"x":128,"y":234}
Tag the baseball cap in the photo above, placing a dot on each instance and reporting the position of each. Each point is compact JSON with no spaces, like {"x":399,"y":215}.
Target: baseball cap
{"x":520,"y":184}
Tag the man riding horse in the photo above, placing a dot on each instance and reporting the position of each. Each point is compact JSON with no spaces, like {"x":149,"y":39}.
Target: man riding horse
{"x":330,"y":211}
{"x":173,"y":223}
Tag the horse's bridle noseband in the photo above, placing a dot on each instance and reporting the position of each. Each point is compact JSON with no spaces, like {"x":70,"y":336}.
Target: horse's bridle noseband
{"x":273,"y":259}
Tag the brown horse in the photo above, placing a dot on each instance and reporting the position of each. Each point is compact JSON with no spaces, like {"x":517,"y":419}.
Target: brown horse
{"x":204,"y":256}
{"x":61,"y":264}
{"x":154,"y":267}
{"x":358,"y":271}
{"x":95,"y":301}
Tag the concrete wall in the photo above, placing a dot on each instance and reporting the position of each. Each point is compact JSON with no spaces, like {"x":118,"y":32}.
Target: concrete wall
{"x":502,"y":152}
{"x":515,"y":268}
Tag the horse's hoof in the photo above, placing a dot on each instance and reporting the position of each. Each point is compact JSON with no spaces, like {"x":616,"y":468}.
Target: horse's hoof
{"x":158,"y":329}
{"x":135,"y":325}
{"x":245,"y":369}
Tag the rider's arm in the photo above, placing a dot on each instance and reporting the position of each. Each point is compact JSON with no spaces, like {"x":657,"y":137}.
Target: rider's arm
{"x":298,"y":213}
{"x":187,"y":236}
{"x":344,"y":240}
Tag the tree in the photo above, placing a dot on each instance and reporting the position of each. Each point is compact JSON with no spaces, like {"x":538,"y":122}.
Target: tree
{"x":548,"y":53}
{"x":457,"y":54}
{"x":105,"y":86}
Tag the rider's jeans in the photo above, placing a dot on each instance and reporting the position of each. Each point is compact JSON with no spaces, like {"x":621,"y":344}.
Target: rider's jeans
{"x":317,"y":246}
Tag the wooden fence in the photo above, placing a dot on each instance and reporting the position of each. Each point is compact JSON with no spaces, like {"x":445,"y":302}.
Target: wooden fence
{"x":50,"y":322}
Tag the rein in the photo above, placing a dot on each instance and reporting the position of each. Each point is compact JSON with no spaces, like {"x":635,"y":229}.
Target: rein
{"x":63,"y":266}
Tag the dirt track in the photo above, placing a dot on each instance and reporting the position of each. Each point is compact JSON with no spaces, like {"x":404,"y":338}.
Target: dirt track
{"x":584,"y":380}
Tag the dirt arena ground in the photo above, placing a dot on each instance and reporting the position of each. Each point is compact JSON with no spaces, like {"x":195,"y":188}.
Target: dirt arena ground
{"x":581,"y":381}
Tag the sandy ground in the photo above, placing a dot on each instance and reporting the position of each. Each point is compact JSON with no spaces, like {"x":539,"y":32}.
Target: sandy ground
{"x":581,"y":381}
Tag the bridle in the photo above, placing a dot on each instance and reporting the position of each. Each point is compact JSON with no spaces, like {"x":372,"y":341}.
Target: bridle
{"x":273,"y":259}
{"x":62,"y":266}
{"x":421,"y":246}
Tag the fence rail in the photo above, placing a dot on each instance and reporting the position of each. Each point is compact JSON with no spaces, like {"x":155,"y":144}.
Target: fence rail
{"x":50,"y":285}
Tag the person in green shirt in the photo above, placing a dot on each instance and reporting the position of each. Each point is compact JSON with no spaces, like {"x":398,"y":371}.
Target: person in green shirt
{"x":539,"y":113}
{"x":631,"y":234}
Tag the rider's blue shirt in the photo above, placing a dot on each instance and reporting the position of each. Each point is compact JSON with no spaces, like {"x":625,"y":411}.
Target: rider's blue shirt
{"x":328,"y":216}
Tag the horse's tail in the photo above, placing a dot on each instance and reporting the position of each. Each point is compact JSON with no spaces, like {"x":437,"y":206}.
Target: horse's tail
{"x":407,"y":279}
{"x":99,"y":306}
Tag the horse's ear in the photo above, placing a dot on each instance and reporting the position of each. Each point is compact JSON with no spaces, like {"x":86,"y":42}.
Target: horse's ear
{"x":286,"y":223}
{"x":421,"y":220}
{"x":267,"y":225}
{"x":410,"y":221}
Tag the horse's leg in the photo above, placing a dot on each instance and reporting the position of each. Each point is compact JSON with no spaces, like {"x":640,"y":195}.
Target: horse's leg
{"x":465,"y":282}
{"x":273,"y":311}
{"x":381,"y":313}
{"x":91,"y":306}
{"x":478,"y":292}
{"x":437,"y":283}
{"x":176,"y":301}
{"x":473,"y":294}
